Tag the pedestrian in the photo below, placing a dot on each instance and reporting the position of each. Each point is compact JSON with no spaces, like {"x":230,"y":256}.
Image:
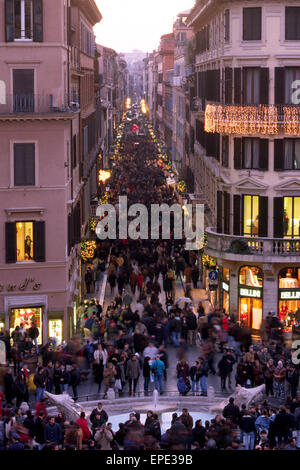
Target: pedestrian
{"x":279,"y":380}
{"x":40,"y":383}
{"x":157,"y":369}
{"x":75,"y":380}
{"x":133,"y":373}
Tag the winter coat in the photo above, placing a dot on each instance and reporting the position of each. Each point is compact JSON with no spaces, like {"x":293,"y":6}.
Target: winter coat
{"x":133,"y":369}
{"x":158,"y":367}
{"x":104,"y":439}
{"x":247,"y":424}
{"x":83,"y":424}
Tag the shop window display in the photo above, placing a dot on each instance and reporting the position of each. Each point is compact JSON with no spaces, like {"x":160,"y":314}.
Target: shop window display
{"x":291,"y":217}
{"x":251,"y":216}
{"x":55,"y":331}
{"x":289,"y":297}
{"x":27,"y":316}
{"x":250,"y":294}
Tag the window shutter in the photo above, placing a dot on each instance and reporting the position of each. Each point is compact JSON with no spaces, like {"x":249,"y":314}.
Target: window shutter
{"x":263,"y":154}
{"x":38,"y":20}
{"x":279,"y":85}
{"x":69,"y":26}
{"x":278,"y":217}
{"x":219,"y":212}
{"x":24,"y":164}
{"x":39,"y":242}
{"x":226,"y":213}
{"x":9,"y":21}
{"x":237,"y":153}
{"x":228,"y":85}
{"x":10,"y":242}
{"x":237,"y":86}
{"x":263,"y":217}
{"x":70,"y":230}
{"x":278,"y":154}
{"x":264,"y":86}
{"x":247,"y":24}
{"x":237,"y":214}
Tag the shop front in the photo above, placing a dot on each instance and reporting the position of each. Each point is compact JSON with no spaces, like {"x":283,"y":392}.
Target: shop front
{"x":250,"y":296}
{"x":26,"y":317}
{"x":55,"y":330}
{"x":289,"y":296}
{"x":225,"y":290}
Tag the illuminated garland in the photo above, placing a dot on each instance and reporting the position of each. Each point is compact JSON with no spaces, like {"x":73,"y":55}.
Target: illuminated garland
{"x":291,"y":120}
{"x":181,"y":186}
{"x":208,"y":261}
{"x":93,"y":223}
{"x":103,"y":199}
{"x":87,"y":250}
{"x":246,"y":120}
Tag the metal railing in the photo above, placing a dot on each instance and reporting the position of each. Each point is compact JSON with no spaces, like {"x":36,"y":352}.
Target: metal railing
{"x":32,"y":103}
{"x":256,"y":245}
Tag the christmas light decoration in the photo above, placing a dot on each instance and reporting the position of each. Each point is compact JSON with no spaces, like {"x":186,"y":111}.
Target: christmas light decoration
{"x":181,"y":186}
{"x":104,"y":175}
{"x":93,"y":223}
{"x":291,"y":118}
{"x":103,"y":199}
{"x":87,"y":250}
{"x":246,"y":120}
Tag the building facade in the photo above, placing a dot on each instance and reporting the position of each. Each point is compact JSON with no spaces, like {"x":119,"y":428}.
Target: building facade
{"x":247,"y":144}
{"x":50,"y":138}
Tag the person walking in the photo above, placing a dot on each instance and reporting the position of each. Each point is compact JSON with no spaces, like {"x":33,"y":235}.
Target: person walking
{"x":279,"y":380}
{"x":133,"y":373}
{"x":75,"y":380}
{"x":247,"y":426}
{"x":157,"y":369}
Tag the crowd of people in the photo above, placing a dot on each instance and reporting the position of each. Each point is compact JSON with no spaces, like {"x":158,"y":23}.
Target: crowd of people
{"x":125,"y":346}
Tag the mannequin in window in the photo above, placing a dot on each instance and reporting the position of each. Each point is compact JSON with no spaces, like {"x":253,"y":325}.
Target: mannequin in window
{"x":28,"y":243}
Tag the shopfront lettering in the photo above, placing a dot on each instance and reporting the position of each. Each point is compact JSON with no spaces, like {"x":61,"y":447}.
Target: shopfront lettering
{"x":255,"y":293}
{"x":225,"y":286}
{"x":290,"y":295}
{"x":28,"y":283}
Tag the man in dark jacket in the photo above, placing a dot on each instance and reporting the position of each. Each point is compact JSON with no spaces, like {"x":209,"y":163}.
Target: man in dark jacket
{"x":75,"y":380}
{"x":40,"y":383}
{"x":231,"y":411}
{"x":101,"y":411}
{"x":9,"y":386}
{"x":282,"y":425}
{"x":33,"y":334}
{"x":191,"y":321}
{"x":52,"y":431}
{"x":247,"y":426}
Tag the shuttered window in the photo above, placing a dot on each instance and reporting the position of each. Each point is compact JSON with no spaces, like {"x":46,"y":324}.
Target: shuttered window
{"x":292,"y":23}
{"x":255,"y":154}
{"x":227,"y":25}
{"x":24,"y":20}
{"x":24,"y":164}
{"x":252,"y":24}
{"x":286,"y":154}
{"x":25,"y":241}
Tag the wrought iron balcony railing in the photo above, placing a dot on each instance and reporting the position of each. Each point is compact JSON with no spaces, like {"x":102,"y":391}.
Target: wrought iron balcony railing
{"x":33,"y":104}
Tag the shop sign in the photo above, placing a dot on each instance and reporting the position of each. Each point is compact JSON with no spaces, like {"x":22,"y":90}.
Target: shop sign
{"x":31,"y":284}
{"x":255,"y":293}
{"x":2,"y":352}
{"x":225,"y":286}
{"x":289,"y":295}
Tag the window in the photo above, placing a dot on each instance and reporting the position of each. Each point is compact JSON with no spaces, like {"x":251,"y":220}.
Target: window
{"x":292,"y":154}
{"x":227,"y":25}
{"x":24,"y":231}
{"x":225,"y":150}
{"x":251,"y":216}
{"x":252,"y":24}
{"x":25,"y":241}
{"x":291,"y":74}
{"x":252,"y":86}
{"x":251,"y":276}
{"x":291,"y":217}
{"x":251,"y":154}
{"x":23,"y":19}
{"x":292,"y":23}
{"x":24,"y":164}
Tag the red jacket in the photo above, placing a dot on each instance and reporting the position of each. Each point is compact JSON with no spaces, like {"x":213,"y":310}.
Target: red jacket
{"x":83,"y":424}
{"x":40,"y":406}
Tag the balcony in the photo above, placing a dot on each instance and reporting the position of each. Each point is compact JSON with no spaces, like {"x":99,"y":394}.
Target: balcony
{"x":252,"y":119}
{"x":33,"y":104}
{"x":252,"y":249}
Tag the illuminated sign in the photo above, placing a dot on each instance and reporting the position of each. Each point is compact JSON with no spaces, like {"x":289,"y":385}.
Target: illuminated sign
{"x":289,"y":295}
{"x":255,"y":293}
{"x":225,"y":286}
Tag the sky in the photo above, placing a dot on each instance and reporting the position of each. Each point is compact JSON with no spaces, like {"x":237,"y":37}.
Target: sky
{"x":137,"y":24}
